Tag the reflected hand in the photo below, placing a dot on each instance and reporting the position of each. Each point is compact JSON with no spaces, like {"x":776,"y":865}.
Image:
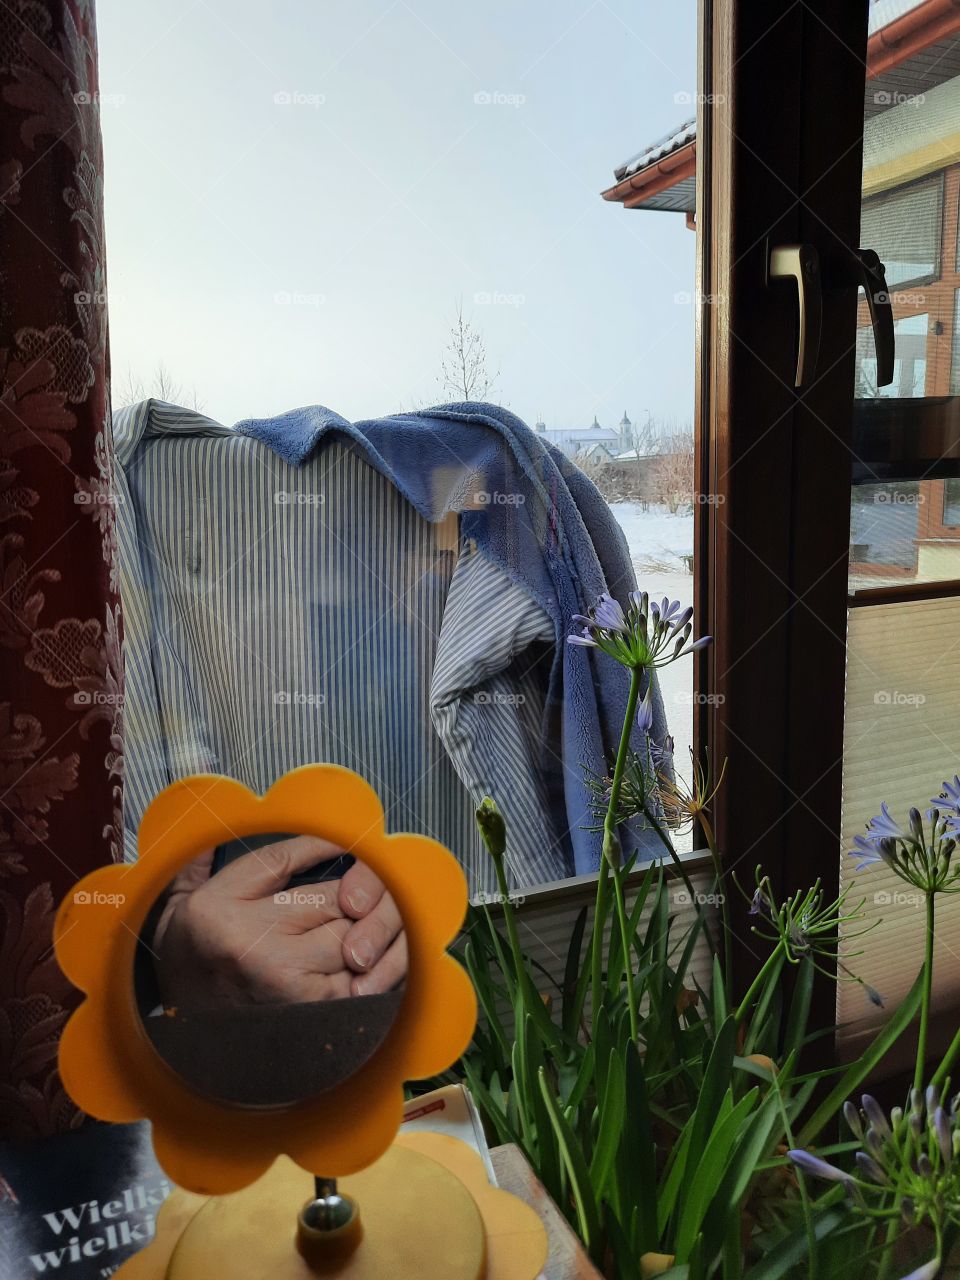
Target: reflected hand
{"x":375,"y":946}
{"x":242,"y":936}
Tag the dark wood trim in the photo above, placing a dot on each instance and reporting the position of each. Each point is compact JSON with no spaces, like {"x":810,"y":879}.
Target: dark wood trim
{"x":786,"y":162}
{"x":915,"y":439}
{"x":903,"y":594}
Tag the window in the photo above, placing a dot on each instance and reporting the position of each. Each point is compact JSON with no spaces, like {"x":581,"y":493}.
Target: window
{"x":904,"y":225}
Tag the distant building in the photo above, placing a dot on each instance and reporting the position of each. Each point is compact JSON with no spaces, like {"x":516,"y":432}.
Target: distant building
{"x":593,"y":443}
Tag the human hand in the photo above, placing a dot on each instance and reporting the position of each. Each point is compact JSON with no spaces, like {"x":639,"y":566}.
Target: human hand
{"x":375,"y":945}
{"x":242,"y":936}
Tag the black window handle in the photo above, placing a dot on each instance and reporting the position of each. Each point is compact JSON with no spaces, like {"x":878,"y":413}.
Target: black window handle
{"x":868,"y":272}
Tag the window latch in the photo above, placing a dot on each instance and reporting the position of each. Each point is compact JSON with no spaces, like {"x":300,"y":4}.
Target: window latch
{"x":801,"y":263}
{"x":867,"y":272}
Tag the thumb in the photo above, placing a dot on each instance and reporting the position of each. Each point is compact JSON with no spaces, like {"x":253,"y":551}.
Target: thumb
{"x":262,"y":872}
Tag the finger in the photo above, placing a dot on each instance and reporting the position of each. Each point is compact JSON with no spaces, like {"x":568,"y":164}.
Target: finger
{"x":360,"y":891}
{"x":194,"y":874}
{"x":320,"y":950}
{"x":334,"y":986}
{"x":368,"y":939}
{"x":263,"y":872}
{"x":308,"y":906}
{"x":390,"y":970}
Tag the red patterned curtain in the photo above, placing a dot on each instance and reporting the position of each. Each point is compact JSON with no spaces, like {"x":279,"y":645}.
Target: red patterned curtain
{"x":60,"y":664}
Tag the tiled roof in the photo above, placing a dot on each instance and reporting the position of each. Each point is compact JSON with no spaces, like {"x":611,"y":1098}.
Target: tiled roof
{"x":920,"y":73}
{"x":687,"y":132}
{"x":883,"y":12}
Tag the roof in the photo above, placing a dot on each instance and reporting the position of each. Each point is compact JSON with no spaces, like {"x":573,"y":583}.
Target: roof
{"x":899,"y":67}
{"x":595,"y":434}
{"x":883,"y":12}
{"x":657,"y":150}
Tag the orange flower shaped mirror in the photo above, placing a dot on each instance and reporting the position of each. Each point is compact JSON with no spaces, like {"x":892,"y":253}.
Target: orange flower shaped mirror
{"x":259,"y":985}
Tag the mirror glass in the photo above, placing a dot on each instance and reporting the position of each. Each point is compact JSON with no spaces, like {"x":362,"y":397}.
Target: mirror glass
{"x":270,"y":969}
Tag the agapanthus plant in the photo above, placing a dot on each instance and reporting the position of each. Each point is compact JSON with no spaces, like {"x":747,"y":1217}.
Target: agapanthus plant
{"x":656,"y":1108}
{"x":907,"y":1169}
{"x":648,"y":635}
{"x":921,"y":856}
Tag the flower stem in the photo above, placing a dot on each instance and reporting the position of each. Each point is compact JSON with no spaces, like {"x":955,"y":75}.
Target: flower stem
{"x":684,"y":876}
{"x":711,"y":840}
{"x":755,"y":986}
{"x":927,"y":991}
{"x":610,"y":843}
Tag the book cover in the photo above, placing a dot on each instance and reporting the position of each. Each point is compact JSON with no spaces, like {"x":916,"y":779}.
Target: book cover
{"x":78,"y":1204}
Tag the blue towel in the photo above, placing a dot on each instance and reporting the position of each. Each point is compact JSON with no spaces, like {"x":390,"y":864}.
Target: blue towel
{"x":540,"y":520}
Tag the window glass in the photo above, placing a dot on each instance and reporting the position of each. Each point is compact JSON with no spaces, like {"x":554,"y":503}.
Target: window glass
{"x":384,"y":211}
{"x":903,"y":226}
{"x":910,"y":363}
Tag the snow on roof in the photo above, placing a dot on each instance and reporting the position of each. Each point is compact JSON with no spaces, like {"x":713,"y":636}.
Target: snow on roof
{"x":882,"y":13}
{"x":680,"y":136}
{"x":556,"y":434}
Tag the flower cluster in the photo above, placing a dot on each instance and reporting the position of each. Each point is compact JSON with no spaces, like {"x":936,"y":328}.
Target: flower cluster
{"x":648,"y":635}
{"x":908,"y":1164}
{"x":921,"y":857}
{"x":807,"y":925}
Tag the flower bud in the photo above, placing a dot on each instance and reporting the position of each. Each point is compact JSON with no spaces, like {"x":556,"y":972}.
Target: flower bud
{"x":493,"y":829}
{"x":852,"y":1117}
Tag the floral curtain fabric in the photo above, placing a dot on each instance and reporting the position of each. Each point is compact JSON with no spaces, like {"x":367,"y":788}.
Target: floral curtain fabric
{"x":60,"y":628}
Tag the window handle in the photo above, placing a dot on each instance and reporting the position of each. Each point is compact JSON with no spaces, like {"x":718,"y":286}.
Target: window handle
{"x":800,"y":262}
{"x":868,"y":273}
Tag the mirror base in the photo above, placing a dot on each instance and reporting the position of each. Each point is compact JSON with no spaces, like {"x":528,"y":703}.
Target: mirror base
{"x":404,"y":1195}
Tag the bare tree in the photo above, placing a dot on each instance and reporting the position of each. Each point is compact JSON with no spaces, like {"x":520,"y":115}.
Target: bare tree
{"x":672,"y":474}
{"x":463,"y":368}
{"x":161,"y":386}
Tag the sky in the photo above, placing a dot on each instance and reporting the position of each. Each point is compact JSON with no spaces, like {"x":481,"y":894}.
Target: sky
{"x":298,"y":195}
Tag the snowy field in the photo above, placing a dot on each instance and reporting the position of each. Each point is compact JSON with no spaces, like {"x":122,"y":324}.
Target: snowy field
{"x":658,"y":543}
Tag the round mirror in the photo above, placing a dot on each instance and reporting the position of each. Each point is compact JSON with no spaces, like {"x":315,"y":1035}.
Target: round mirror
{"x":270,"y":969}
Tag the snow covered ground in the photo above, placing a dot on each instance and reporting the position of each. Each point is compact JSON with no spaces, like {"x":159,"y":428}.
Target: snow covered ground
{"x":658,"y":543}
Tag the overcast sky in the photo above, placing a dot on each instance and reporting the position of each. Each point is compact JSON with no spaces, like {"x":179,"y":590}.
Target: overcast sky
{"x":298,"y":193}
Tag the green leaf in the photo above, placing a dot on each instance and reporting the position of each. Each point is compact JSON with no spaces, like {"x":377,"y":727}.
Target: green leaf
{"x":613,"y":1105}
{"x":796,"y":1031}
{"x":792,"y":1250}
{"x":742,"y":1166}
{"x":701,"y":1189}
{"x":588,"y":1217}
{"x":859,"y":1070}
{"x":637,"y":1157}
{"x":719,"y":994}
{"x":758,"y":1018}
{"x":575,"y":978}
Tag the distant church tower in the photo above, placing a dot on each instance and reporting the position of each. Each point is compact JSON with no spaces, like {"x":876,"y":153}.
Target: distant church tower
{"x":626,"y":433}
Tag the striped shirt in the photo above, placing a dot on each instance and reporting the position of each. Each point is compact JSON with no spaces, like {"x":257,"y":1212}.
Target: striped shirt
{"x":279,"y":615}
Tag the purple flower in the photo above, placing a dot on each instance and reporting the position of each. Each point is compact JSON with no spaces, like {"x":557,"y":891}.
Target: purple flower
{"x":586,"y":639}
{"x":941,"y":1128}
{"x":949,"y":797}
{"x":929,"y":1271}
{"x":852,"y":1117}
{"x":874,"y":1113}
{"x":883,"y":826}
{"x":608,"y":614}
{"x":816,"y":1167}
{"x":645,"y":714}
{"x":869,"y":1167}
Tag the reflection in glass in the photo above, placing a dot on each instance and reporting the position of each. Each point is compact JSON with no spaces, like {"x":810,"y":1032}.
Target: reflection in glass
{"x":903,"y":226}
{"x":270,"y":969}
{"x":951,"y":503}
{"x":910,"y":365}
